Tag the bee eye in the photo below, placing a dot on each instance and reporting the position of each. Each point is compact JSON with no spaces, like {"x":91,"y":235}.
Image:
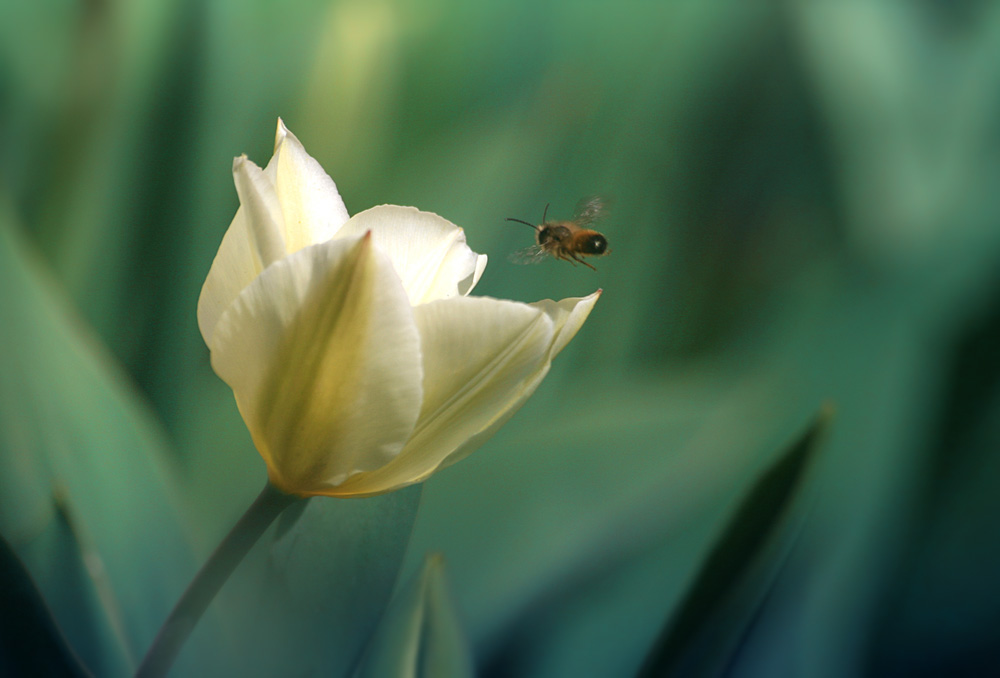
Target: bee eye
{"x":596,"y":245}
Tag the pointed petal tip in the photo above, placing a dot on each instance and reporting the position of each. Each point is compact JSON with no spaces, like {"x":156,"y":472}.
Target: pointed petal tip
{"x":365,"y":247}
{"x":591,"y":299}
{"x":280,"y":134}
{"x":284,"y":135}
{"x":569,"y":316}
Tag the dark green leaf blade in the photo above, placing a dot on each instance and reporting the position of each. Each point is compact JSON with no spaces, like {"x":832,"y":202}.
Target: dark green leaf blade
{"x":87,"y":499}
{"x":702,"y":635}
{"x":30,"y":640}
{"x":420,"y":634}
{"x":311,"y":592}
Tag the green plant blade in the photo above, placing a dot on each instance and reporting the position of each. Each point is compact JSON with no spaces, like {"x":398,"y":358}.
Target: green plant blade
{"x":30,"y":641}
{"x":85,"y":497}
{"x":310,"y":594}
{"x":700,"y":639}
{"x":420,"y":634}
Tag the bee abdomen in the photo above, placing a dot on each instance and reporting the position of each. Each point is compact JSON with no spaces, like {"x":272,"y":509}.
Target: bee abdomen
{"x":593,"y":243}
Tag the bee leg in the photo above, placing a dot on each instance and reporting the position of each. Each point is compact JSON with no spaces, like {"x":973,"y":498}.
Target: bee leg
{"x":584,"y":262}
{"x":567,"y":257}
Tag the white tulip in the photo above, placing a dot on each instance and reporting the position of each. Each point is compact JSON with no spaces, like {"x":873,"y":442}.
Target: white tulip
{"x":358,"y":362}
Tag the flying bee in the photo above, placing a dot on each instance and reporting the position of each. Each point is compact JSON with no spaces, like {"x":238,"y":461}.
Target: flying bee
{"x":568,"y":240}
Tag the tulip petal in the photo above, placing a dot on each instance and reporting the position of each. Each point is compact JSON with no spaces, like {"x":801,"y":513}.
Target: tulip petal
{"x":428,"y":251}
{"x":250,"y":243}
{"x":288,"y":205}
{"x":323,"y":356}
{"x":568,"y":317}
{"x":469,"y":283}
{"x":263,"y":212}
{"x":483,"y":358}
{"x":311,"y":205}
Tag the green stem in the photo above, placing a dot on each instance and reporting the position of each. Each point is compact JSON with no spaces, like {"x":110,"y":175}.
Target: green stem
{"x":210,"y":578}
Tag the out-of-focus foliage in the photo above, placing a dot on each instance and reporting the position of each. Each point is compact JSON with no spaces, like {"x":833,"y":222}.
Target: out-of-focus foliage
{"x":704,"y":634}
{"x":420,"y":634}
{"x":30,"y":640}
{"x":88,"y":501}
{"x":309,"y":596}
{"x":805,"y":210}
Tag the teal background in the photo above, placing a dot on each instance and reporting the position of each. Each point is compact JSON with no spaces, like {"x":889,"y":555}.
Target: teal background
{"x":805,"y":212}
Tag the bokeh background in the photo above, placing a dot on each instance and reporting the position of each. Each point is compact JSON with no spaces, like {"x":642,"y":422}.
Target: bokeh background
{"x":805,"y":212}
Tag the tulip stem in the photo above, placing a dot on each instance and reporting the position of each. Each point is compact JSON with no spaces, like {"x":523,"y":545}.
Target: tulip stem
{"x":210,"y":578}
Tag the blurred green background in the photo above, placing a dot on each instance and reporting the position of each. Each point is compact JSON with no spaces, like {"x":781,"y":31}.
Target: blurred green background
{"x":805,"y":211}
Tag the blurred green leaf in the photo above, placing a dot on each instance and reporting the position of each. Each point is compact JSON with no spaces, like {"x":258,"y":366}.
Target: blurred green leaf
{"x":910,"y":138}
{"x":701,"y":637}
{"x":309,"y":595}
{"x":562,"y":493}
{"x":593,"y":551}
{"x":420,"y":634}
{"x":85,"y":497}
{"x":30,"y":641}
{"x":938,"y":610}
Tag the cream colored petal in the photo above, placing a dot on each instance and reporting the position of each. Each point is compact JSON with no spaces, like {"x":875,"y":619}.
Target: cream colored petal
{"x":253,"y":240}
{"x":310,"y":203}
{"x":428,"y":251}
{"x":568,"y":317}
{"x":323,"y":356}
{"x":483,"y":358}
{"x":469,"y":283}
{"x":263,"y":211}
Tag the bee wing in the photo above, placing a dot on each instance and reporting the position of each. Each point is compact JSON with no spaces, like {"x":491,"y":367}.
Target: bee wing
{"x":529,"y":255}
{"x":589,"y":210}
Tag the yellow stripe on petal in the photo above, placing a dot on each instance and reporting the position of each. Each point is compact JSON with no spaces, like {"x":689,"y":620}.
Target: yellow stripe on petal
{"x":323,"y":355}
